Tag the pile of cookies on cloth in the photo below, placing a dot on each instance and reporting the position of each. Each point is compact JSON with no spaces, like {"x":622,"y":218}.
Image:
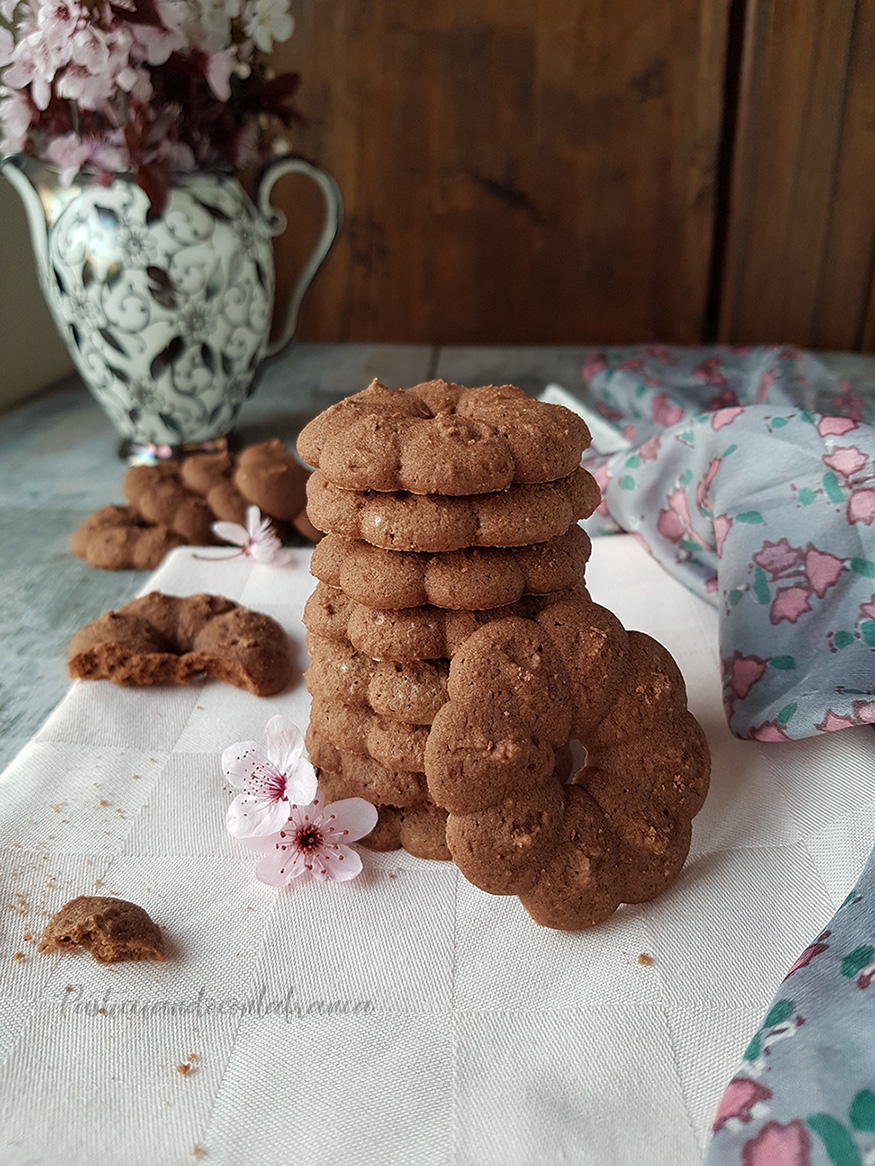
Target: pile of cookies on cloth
{"x":175,"y":504}
{"x":456,"y":657}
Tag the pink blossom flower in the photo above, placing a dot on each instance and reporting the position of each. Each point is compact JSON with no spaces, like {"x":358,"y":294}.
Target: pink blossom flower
{"x":315,"y":840}
{"x":269,"y":780}
{"x":864,"y":712}
{"x":821,"y":570}
{"x":738,"y":1100}
{"x":835,"y":426}
{"x":69,"y":153}
{"x":846,"y":461}
{"x":269,"y":22}
{"x":867,"y":610}
{"x":220,"y":67}
{"x":861,"y":507}
{"x":119,"y":65}
{"x":776,"y":558}
{"x":16,"y":116}
{"x":257,"y":538}
{"x":778,"y":1145}
{"x":789,"y":604}
{"x":7,"y":47}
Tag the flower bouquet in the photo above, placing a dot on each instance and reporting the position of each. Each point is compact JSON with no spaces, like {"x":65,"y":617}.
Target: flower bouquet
{"x":149,"y":86}
{"x":124,"y":125}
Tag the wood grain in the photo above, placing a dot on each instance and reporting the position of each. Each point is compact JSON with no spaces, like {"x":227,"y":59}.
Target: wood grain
{"x":801,"y":230}
{"x":514,"y":171}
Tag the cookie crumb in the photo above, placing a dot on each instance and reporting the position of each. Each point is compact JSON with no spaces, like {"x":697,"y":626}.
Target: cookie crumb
{"x":183,"y":1070}
{"x":19,"y":956}
{"x":104,"y":802}
{"x":198,"y":1151}
{"x":645,"y":960}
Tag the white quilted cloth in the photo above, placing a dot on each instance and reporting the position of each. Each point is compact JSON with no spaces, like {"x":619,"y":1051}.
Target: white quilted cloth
{"x":404,"y":1017}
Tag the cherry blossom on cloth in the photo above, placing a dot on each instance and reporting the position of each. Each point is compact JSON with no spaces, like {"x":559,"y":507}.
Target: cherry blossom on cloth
{"x":315,"y":841}
{"x":279,"y":812}
{"x":268,"y":780}
{"x":750,"y":475}
{"x":256,"y":539}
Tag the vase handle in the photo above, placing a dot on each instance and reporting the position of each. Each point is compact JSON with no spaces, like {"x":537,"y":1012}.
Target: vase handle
{"x":276,"y":224}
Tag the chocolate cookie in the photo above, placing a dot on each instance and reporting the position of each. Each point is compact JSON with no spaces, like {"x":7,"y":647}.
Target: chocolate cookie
{"x":466,"y":580}
{"x":440,"y":438}
{"x":112,"y":930}
{"x":363,"y":776}
{"x":159,"y":639}
{"x":176,"y":503}
{"x":515,"y":517}
{"x":413,"y":633}
{"x":356,"y":729}
{"x":624,"y":831}
{"x":410,"y":692}
{"x":420,"y":829}
{"x":117,"y":536}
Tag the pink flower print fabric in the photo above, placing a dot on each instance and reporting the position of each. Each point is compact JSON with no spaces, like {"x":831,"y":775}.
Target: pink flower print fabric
{"x":750,"y":476}
{"x":804,"y":1094}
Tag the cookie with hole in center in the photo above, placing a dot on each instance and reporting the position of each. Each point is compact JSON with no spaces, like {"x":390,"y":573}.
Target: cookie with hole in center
{"x":624,"y":828}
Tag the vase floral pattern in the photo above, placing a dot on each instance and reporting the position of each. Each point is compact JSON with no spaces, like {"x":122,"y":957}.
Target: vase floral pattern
{"x":750,"y":475}
{"x":166,"y":316}
{"x":166,"y":320}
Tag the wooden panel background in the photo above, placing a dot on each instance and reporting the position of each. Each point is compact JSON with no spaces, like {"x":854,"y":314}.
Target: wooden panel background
{"x":545,"y":171}
{"x":800,"y":239}
{"x":514,"y":171}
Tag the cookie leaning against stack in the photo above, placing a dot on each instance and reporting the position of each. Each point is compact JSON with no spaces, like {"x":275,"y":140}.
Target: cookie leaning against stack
{"x":451,"y":522}
{"x":444,"y":508}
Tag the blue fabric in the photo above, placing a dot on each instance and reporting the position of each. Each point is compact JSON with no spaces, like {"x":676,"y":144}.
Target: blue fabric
{"x":750,"y":475}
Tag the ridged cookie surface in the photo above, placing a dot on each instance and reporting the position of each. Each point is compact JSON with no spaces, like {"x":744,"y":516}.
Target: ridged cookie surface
{"x":467,"y":580}
{"x":441,"y":438}
{"x":401,"y":521}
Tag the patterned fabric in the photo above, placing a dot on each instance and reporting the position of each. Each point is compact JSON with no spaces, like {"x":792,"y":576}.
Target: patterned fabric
{"x":750,"y":475}
{"x":805,"y":1093}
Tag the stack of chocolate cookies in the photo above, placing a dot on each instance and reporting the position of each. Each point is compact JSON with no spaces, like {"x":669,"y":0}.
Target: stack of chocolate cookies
{"x":444,"y":508}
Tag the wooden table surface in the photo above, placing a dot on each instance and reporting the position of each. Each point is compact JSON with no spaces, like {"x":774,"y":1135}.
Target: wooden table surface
{"x":59,"y":463}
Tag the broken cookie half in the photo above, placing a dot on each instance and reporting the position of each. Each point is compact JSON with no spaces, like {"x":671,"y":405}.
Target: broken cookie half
{"x":112,"y":930}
